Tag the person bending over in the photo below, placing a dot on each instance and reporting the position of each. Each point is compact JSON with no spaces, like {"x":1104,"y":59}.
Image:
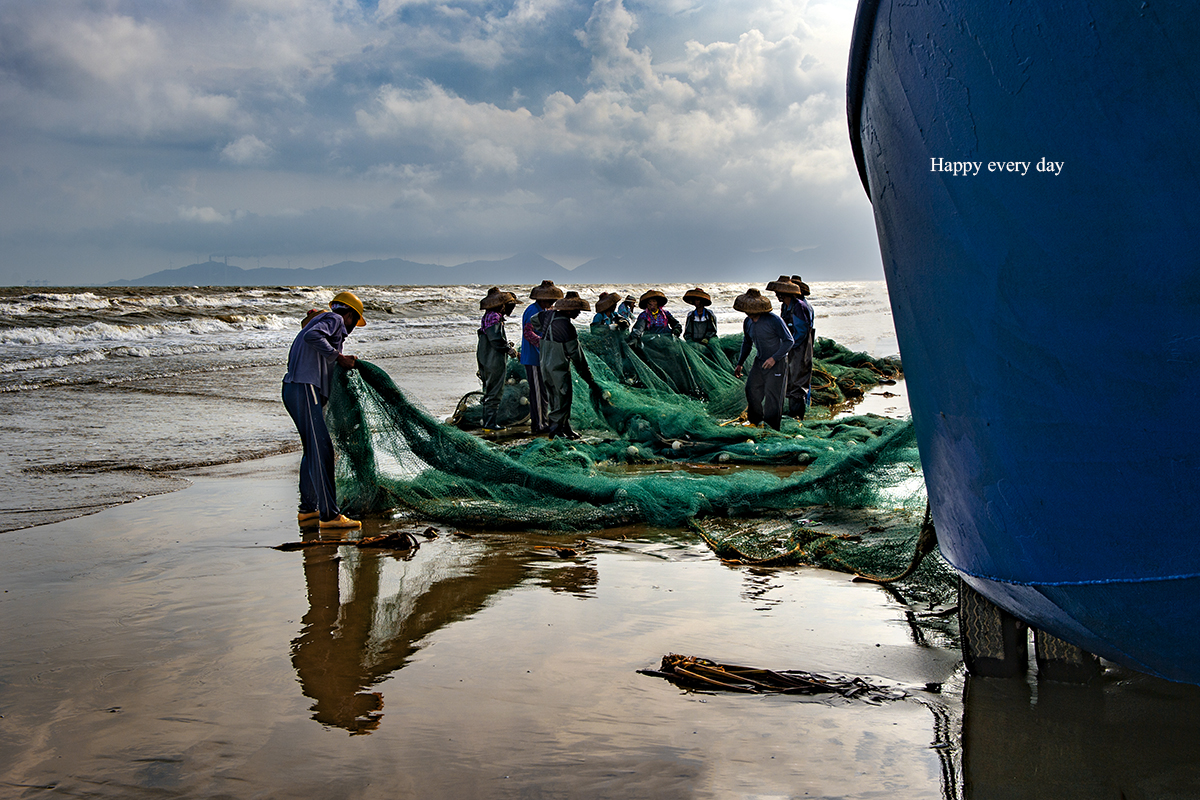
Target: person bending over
{"x":607,"y":315}
{"x":306,"y":388}
{"x":654,"y":317}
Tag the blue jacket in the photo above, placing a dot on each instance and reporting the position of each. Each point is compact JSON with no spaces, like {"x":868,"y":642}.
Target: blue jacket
{"x":798,"y":316}
{"x":314,"y":352}
{"x":770,"y":337}
{"x":530,"y":355}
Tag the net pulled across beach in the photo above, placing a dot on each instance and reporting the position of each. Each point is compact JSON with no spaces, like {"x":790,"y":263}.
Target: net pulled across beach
{"x":657,"y":452}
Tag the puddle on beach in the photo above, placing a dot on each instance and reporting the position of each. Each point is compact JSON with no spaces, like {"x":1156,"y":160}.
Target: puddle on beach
{"x":163,"y":649}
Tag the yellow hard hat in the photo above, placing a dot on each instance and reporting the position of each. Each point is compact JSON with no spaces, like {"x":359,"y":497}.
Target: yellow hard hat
{"x":350,"y":299}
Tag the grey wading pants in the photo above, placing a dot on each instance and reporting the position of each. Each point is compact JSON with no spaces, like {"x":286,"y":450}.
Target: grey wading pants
{"x":539,"y":399}
{"x":556,"y":371}
{"x":799,"y":376}
{"x":764,"y":393}
{"x":493,"y":367}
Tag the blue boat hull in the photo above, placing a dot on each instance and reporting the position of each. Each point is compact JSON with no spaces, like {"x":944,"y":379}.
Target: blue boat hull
{"x":1049,"y":323}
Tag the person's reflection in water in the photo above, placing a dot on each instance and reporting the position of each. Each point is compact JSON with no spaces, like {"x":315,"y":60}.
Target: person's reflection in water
{"x":327,"y":654}
{"x":344,"y":648}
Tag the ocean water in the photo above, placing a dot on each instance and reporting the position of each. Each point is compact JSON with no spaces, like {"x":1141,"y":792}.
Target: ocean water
{"x":108,"y":392}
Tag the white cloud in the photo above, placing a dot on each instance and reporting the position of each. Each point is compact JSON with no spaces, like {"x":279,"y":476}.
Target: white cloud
{"x":527,"y":121}
{"x":207,"y":215}
{"x":110,"y":48}
{"x":606,"y":36}
{"x":484,"y":154}
{"x":248,"y":149}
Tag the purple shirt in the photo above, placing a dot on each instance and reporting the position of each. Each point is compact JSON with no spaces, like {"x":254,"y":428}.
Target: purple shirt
{"x":314,"y":352}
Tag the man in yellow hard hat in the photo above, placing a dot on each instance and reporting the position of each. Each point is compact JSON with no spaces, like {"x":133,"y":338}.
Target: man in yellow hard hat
{"x":306,"y":388}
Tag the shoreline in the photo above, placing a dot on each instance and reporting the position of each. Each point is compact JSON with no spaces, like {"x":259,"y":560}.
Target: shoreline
{"x":420,"y":371}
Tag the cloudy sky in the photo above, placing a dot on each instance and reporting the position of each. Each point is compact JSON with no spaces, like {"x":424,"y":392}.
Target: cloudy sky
{"x":136,"y":135}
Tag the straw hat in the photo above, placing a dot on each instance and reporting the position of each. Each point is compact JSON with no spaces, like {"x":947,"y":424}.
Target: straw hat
{"x":697,"y":297}
{"x":546,"y":291}
{"x":804,"y":290}
{"x":497,"y":299}
{"x":607,"y":302}
{"x":653,"y":293}
{"x":752,"y":302}
{"x":630,"y":298}
{"x":572,"y":302}
{"x":783,"y":286}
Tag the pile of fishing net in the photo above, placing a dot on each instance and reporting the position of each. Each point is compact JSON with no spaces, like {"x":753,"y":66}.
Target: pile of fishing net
{"x":660,"y":448}
{"x":654,"y":454}
{"x":667,"y":368}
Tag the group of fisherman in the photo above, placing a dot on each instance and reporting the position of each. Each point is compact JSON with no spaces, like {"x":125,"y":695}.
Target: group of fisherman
{"x":782,"y":366}
{"x":780,"y":372}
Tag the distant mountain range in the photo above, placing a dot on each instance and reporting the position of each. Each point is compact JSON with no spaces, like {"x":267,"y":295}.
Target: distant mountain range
{"x":519,"y":269}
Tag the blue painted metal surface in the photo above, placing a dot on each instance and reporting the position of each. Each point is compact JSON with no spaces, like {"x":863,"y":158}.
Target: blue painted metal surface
{"x":1049,"y":323}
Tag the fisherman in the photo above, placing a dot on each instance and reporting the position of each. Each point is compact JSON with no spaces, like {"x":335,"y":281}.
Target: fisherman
{"x":543,"y":297}
{"x":701,"y":324}
{"x":306,"y":388}
{"x":607,"y":315}
{"x":561,"y":351}
{"x":771,"y":340}
{"x":493,"y":351}
{"x":626,"y":308}
{"x":800,"y":360}
{"x":654,"y":317}
{"x":794,"y":314}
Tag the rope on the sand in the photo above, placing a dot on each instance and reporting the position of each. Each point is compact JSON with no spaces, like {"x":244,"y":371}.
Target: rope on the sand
{"x":692,"y":672}
{"x":396,"y":540}
{"x":926,"y":544}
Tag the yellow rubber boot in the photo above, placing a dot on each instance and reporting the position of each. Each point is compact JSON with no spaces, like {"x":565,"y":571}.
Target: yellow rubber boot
{"x":340,"y":521}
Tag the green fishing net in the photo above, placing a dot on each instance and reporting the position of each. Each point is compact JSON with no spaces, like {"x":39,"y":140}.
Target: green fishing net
{"x":661,"y":447}
{"x":655,"y":453}
{"x":667,"y":367}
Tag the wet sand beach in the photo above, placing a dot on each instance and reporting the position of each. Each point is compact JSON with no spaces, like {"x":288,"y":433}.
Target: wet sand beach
{"x":164,"y":648}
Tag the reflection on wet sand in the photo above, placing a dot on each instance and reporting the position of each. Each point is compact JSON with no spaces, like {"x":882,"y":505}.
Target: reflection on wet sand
{"x":347,"y":646}
{"x":1126,"y":736}
{"x":145,"y":659}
